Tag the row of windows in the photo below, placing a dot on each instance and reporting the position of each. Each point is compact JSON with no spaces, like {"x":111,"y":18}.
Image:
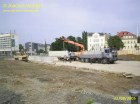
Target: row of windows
{"x":5,"y":41}
{"x":129,"y":42}
{"x":128,"y":36}
{"x":96,"y":40}
{"x":5,"y":47}
{"x":129,"y":47}
{"x":94,"y":45}
{"x":4,"y":44}
{"x":4,"y":38}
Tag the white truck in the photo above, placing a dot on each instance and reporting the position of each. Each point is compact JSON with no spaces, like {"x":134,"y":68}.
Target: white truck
{"x":62,"y":54}
{"x":105,"y":56}
{"x":59,"y":54}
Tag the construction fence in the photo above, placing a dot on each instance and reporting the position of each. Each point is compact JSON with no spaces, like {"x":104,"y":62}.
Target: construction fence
{"x":125,"y":52}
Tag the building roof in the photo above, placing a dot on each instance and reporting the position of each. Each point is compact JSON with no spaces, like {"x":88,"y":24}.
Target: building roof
{"x":125,"y":33}
{"x":90,"y":34}
{"x":100,"y":33}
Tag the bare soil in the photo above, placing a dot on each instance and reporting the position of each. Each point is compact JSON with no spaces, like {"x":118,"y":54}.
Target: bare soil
{"x":34,"y":83}
{"x":130,"y":57}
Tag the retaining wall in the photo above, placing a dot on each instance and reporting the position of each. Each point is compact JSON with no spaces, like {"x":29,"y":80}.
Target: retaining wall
{"x":125,"y":52}
{"x":43,"y":59}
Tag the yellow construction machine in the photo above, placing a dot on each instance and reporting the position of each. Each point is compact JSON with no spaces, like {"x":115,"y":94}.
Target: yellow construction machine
{"x":22,"y":56}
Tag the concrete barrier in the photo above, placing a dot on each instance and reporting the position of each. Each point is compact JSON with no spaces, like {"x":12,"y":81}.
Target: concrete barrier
{"x":43,"y":59}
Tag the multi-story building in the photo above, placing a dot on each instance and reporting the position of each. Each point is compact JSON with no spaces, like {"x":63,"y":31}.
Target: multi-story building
{"x":41,"y":46}
{"x":97,"y":41}
{"x":33,"y":48}
{"x":129,"y":40}
{"x":9,"y":44}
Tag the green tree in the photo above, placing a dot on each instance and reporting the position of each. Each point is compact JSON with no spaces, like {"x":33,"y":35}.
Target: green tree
{"x":136,"y":47}
{"x":57,"y":45}
{"x":41,"y":51}
{"x":84,"y":39}
{"x":20,"y":47}
{"x":61,"y":45}
{"x":138,"y":39}
{"x":80,"y":41}
{"x":115,"y":42}
{"x":71,"y":47}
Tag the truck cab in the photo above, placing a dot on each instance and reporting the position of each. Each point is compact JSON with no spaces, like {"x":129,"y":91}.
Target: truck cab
{"x":110,"y":55}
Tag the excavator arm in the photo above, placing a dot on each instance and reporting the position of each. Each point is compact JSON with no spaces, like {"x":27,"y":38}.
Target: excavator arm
{"x":72,"y":42}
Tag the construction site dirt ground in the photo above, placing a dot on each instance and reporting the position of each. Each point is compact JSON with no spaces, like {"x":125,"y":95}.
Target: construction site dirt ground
{"x":36,"y":83}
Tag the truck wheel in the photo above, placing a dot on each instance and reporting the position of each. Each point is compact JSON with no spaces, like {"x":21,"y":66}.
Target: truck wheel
{"x":86,"y":60}
{"x":82,"y":60}
{"x":16,"y":58}
{"x":104,"y":61}
{"x":93,"y":60}
{"x":112,"y":62}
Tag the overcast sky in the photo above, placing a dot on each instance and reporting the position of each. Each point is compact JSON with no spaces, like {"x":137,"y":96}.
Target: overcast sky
{"x":70,"y":17}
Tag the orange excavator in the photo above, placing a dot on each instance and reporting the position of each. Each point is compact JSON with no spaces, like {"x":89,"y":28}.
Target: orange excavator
{"x":72,"y":42}
{"x":82,"y":48}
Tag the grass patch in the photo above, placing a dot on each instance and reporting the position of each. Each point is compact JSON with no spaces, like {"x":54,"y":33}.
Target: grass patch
{"x":130,"y":57}
{"x":90,"y":102}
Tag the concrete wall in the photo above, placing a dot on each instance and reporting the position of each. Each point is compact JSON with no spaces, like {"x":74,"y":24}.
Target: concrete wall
{"x":125,"y":52}
{"x":43,"y":59}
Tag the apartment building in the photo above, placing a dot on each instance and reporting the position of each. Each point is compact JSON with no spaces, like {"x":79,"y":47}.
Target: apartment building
{"x":97,"y":41}
{"x":33,"y":48}
{"x":9,"y":44}
{"x":129,"y":40}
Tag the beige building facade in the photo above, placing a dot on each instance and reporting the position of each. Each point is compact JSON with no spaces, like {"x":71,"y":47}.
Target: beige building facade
{"x":129,"y":40}
{"x":97,"y":41}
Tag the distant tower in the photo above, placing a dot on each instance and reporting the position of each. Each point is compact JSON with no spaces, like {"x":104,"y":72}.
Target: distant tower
{"x":45,"y":47}
{"x":14,"y":32}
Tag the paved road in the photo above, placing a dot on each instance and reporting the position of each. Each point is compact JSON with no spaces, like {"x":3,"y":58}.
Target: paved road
{"x":120,"y":66}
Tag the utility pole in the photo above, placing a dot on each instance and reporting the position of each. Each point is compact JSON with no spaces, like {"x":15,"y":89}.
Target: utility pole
{"x":45,"y":47}
{"x":77,"y":42}
{"x":11,"y":43}
{"x":137,"y":31}
{"x":31,"y":48}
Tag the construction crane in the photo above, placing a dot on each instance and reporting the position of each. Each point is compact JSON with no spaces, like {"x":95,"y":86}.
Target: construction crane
{"x":105,"y":56}
{"x":72,"y":42}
